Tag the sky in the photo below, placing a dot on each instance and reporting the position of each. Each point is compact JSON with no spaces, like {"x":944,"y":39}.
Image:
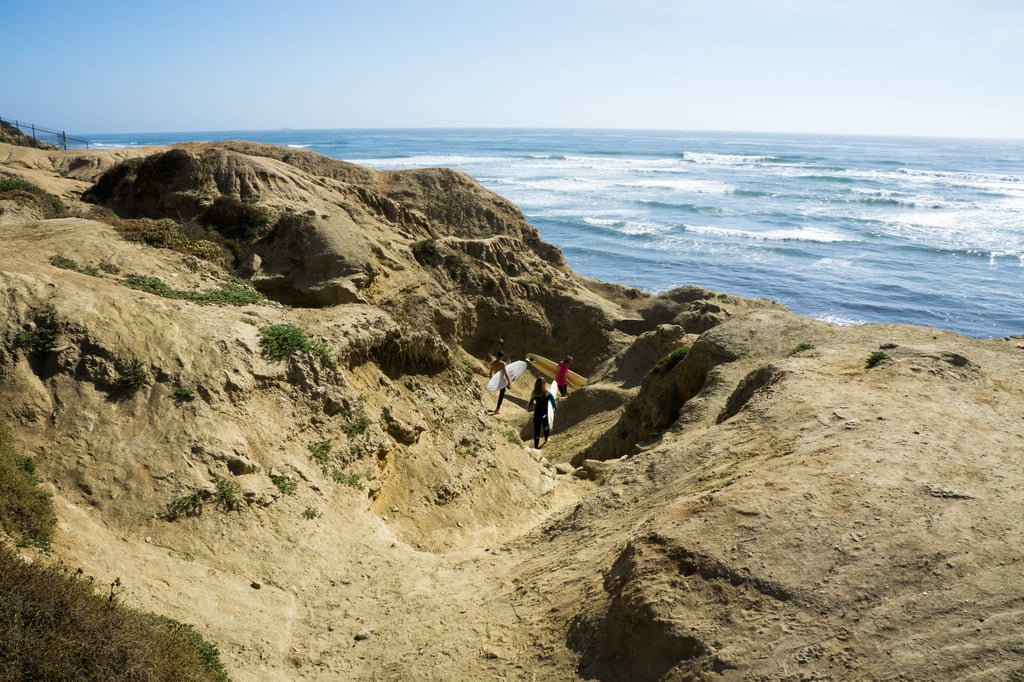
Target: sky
{"x":949,"y":68}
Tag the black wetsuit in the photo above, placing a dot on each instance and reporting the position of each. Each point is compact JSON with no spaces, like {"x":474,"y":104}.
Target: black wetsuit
{"x":540,"y":416}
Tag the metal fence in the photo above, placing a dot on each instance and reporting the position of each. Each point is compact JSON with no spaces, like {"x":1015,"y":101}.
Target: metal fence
{"x":58,"y":138}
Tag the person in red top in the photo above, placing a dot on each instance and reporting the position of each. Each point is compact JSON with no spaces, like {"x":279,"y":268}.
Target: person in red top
{"x":562,"y":374}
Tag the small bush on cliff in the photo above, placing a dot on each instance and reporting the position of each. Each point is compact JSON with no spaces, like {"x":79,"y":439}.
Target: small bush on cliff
{"x":800,"y":348}
{"x":186,"y":505}
{"x":184,"y":393}
{"x":235,"y":219}
{"x":56,"y":628}
{"x":282,"y":340}
{"x":321,"y":453}
{"x":877,"y":357}
{"x":37,"y":339}
{"x":667,"y":363}
{"x":132,"y":375}
{"x":285,"y":484}
{"x":227,"y":494}
{"x":26,"y":511}
{"x":356,"y":422}
{"x":425,"y":252}
{"x":60,"y":261}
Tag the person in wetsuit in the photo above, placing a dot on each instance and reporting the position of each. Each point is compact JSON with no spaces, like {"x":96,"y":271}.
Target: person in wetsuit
{"x":539,"y":403}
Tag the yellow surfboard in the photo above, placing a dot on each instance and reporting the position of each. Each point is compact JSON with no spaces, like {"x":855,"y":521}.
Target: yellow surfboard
{"x":549,"y":369}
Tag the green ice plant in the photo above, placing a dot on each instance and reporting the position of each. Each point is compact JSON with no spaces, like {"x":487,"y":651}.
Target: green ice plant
{"x":282,"y":340}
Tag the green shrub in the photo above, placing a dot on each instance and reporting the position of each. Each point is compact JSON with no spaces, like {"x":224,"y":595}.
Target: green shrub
{"x":235,"y":219}
{"x":51,"y":205}
{"x":187,"y":505}
{"x":55,"y":627}
{"x":37,"y":339}
{"x":877,"y":357}
{"x":227,"y":494}
{"x":425,"y":252}
{"x":59,"y":261}
{"x":191,"y":240}
{"x":184,"y":393}
{"x":208,"y":654}
{"x":310,"y":513}
{"x":672,"y":359}
{"x":26,"y":511}
{"x":149,"y":284}
{"x":132,"y":375}
{"x":10,"y":182}
{"x":109,"y":268}
{"x":320,"y":452}
{"x":800,"y":348}
{"x":357,"y":423}
{"x":282,"y":340}
{"x":286,"y":484}
{"x":234,"y":292}
{"x":346,"y":478}
{"x":231,"y":293}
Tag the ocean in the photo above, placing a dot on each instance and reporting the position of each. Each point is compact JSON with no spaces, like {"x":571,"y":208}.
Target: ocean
{"x":848,"y":229}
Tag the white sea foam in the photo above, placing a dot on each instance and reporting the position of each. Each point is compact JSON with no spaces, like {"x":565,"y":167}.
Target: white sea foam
{"x":298,"y":146}
{"x":832,"y":264}
{"x":628,"y":227}
{"x":841,"y":320}
{"x":711,"y":159}
{"x":429,"y":161}
{"x":681,"y":185}
{"x":805,"y":234}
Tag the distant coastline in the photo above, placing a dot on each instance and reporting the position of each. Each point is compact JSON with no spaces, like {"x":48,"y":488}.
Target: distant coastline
{"x":846,"y":228}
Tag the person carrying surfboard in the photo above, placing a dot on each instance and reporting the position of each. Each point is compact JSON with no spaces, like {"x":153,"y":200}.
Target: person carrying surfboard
{"x":561,"y":376}
{"x":539,"y":400}
{"x":499,"y":365}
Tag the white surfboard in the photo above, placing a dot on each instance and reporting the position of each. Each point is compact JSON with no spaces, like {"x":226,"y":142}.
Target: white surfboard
{"x":553,"y":392}
{"x":514,"y":369}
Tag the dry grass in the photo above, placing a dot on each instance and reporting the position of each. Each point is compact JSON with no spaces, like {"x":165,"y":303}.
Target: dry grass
{"x":190,"y":239}
{"x":26,"y":512}
{"x":24,"y":192}
{"x":53,"y":626}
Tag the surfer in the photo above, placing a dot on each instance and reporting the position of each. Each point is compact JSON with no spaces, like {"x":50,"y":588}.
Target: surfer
{"x":539,"y":400}
{"x":499,"y":365}
{"x":561,"y":374}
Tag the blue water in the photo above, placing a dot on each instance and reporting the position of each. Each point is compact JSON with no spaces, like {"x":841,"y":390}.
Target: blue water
{"x":846,"y":229}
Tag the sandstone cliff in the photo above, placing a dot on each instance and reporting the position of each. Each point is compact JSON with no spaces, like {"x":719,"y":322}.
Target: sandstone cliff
{"x":735,"y":494}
